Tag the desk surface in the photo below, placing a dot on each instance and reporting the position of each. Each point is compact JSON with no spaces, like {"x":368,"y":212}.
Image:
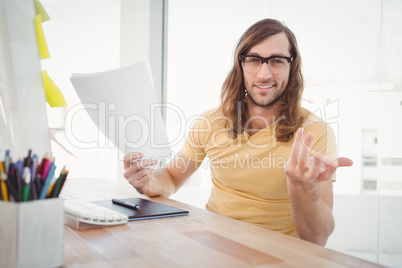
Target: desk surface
{"x":201,"y":239}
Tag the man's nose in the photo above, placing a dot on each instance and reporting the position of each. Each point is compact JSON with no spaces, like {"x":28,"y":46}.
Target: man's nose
{"x":264,"y":72}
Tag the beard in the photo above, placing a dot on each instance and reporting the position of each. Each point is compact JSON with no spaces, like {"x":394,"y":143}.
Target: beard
{"x":269,"y":103}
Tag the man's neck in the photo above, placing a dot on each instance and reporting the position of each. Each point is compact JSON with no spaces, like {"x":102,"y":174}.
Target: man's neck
{"x":260,"y":117}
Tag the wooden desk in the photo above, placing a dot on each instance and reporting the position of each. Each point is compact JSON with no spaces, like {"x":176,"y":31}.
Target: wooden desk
{"x":201,"y":239}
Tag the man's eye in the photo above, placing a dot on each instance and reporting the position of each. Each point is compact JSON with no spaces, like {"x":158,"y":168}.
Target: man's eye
{"x":252,"y":60}
{"x":278,"y":61}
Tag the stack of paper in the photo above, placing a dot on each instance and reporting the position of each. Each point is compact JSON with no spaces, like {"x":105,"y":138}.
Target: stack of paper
{"x":123,"y":104}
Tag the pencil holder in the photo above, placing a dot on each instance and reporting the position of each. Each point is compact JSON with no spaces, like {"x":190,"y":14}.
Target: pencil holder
{"x":31,"y":233}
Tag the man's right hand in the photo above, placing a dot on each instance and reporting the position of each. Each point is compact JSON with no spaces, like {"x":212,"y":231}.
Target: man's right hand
{"x":137,"y":171}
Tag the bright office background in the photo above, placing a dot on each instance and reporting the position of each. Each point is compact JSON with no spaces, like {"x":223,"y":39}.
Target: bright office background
{"x":352,"y":63}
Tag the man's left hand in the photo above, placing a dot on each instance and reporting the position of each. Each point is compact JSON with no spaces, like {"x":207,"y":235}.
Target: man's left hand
{"x":306,"y":169}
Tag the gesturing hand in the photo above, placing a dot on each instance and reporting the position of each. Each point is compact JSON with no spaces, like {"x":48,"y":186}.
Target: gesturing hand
{"x":302,"y":168}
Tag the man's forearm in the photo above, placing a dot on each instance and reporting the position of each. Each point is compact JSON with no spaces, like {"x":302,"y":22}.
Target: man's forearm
{"x":313,"y":218}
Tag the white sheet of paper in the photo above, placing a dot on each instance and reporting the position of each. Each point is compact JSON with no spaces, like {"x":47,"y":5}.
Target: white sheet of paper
{"x":123,"y":104}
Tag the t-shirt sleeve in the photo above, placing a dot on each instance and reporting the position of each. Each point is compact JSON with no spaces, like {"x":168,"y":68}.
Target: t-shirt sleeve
{"x":197,"y":139}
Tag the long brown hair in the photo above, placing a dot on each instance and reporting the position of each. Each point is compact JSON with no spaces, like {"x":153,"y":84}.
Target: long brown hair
{"x":233,"y":93}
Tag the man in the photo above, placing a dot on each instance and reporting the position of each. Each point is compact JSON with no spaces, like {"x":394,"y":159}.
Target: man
{"x":264,"y":170}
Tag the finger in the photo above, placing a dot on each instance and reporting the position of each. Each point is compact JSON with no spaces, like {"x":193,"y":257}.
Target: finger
{"x":139,"y":164}
{"x":138,"y":179}
{"x":330,"y":162}
{"x":305,"y":150}
{"x":130,"y":157}
{"x":294,"y":154}
{"x":345,"y":162}
{"x":130,"y":174}
{"x":330,"y":166}
{"x":306,"y":145}
{"x":339,"y":162}
{"x":133,"y":172}
{"x":139,"y":175}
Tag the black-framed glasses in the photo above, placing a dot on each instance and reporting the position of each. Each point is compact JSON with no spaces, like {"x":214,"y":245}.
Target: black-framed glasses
{"x":276,"y":64}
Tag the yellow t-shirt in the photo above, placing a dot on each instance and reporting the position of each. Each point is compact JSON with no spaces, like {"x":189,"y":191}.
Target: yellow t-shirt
{"x":248,"y":180}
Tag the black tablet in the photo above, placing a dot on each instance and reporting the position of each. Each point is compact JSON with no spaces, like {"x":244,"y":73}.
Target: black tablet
{"x":146,"y":209}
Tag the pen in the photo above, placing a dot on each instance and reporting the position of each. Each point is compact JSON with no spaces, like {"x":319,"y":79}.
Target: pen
{"x":7,"y":161}
{"x":11,"y":187}
{"x":125,"y":204}
{"x":18,"y":179}
{"x":41,"y":169}
{"x":62,"y":183}
{"x":27,"y":179}
{"x":57,"y":185}
{"x":38,"y":186}
{"x":26,"y":176}
{"x":48,"y":180}
{"x":3,"y":178}
{"x":52,"y":185}
{"x":45,"y":168}
{"x":33,"y":193}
